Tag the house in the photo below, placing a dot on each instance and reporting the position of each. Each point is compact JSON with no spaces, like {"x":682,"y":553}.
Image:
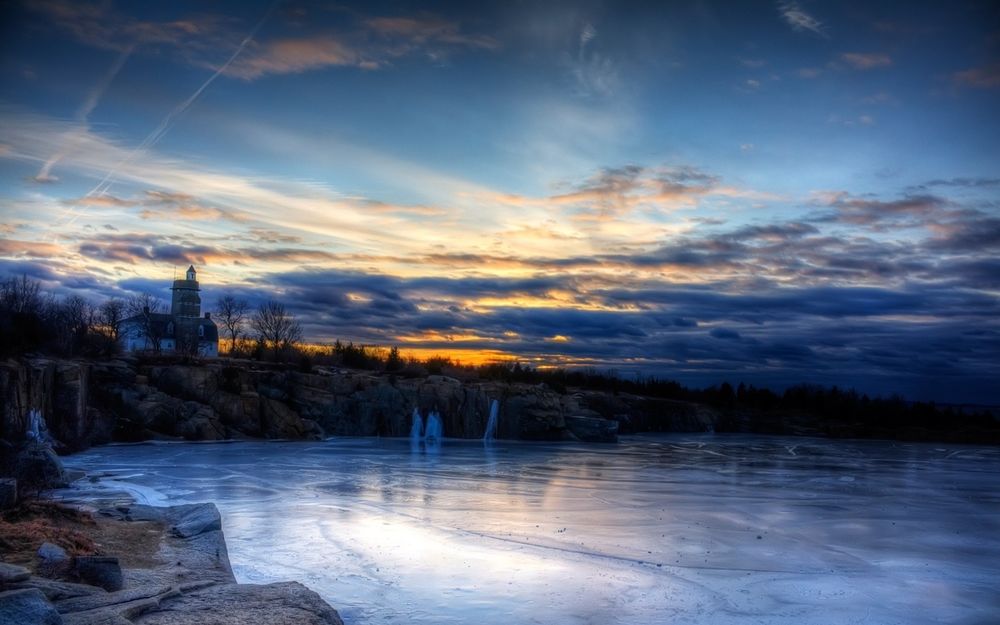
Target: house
{"x":182,"y":330}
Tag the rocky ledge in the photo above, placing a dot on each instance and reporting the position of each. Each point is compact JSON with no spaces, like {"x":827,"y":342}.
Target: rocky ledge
{"x":86,"y":403}
{"x":175,"y":570}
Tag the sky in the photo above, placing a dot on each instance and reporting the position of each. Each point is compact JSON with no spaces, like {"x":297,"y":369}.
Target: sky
{"x":767,"y":192}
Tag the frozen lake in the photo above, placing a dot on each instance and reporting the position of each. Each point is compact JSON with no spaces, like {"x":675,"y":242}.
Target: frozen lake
{"x":677,"y":529}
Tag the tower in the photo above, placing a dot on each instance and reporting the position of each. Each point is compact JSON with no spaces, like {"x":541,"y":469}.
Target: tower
{"x":186,"y":302}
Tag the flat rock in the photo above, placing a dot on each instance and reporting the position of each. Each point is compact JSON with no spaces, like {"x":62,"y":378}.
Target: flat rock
{"x":121,"y":614}
{"x":109,"y":599}
{"x":12,"y":573}
{"x":27,"y":607}
{"x":287,"y":603}
{"x":56,"y":590}
{"x":202,"y":555}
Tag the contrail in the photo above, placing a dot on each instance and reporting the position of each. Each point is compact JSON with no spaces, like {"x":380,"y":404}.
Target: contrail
{"x":154,"y":137}
{"x":95,"y":94}
{"x":88,"y":106}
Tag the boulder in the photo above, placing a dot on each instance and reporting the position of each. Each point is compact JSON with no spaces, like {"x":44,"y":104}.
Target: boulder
{"x":52,"y":553}
{"x":196,"y":519}
{"x":54,"y":561}
{"x":39,"y":466}
{"x":27,"y":607}
{"x":101,"y":571}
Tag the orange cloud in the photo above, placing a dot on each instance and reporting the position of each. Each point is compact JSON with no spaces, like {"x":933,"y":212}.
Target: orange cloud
{"x":293,"y":56}
{"x":13,"y":247}
{"x":99,"y":200}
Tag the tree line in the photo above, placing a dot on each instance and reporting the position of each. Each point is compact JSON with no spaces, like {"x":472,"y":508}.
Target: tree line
{"x":34,"y":321}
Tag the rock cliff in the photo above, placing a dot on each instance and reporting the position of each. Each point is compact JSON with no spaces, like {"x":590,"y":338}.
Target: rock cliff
{"x":87,"y":403}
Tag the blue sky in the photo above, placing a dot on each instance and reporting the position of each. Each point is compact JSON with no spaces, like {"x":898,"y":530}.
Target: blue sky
{"x":773,"y":192}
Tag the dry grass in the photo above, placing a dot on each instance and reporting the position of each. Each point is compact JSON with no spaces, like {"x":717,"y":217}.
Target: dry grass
{"x":25,"y":528}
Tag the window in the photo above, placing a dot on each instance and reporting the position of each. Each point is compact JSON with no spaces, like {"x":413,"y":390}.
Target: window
{"x":170,"y":328}
{"x":201,"y":331}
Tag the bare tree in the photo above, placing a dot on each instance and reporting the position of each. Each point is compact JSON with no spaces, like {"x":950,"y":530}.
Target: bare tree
{"x":70,"y":320}
{"x":275,"y":328}
{"x":110,"y":316}
{"x":144,"y":306}
{"x":232,"y":314}
{"x":21,"y":295}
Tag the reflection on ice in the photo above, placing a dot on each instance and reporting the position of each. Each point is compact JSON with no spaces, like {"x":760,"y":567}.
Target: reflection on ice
{"x":666,"y":529}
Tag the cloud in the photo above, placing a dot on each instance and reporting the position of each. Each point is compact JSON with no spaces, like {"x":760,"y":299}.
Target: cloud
{"x":170,"y":206}
{"x":987,"y":77}
{"x":99,"y":200}
{"x":424,"y":32}
{"x":139,"y":247}
{"x":160,"y":205}
{"x":367,"y":43}
{"x":263,"y":235}
{"x":613,"y":192}
{"x":293,"y":56}
{"x":971,"y":235}
{"x":29,"y":249}
{"x":866,"y":61}
{"x":785,"y":297}
{"x":799,"y":20}
{"x":257,"y":200}
{"x":376,"y":42}
{"x":94,"y":23}
{"x":964,"y":182}
{"x":914,"y":210}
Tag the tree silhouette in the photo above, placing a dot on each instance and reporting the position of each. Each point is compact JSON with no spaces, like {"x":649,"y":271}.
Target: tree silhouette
{"x":232,"y":314}
{"x":275,"y":328}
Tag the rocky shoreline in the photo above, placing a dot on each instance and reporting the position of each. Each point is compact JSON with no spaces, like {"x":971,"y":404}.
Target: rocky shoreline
{"x":179,"y":573}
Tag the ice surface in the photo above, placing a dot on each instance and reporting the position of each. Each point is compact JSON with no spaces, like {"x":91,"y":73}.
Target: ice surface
{"x":706,"y":529}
